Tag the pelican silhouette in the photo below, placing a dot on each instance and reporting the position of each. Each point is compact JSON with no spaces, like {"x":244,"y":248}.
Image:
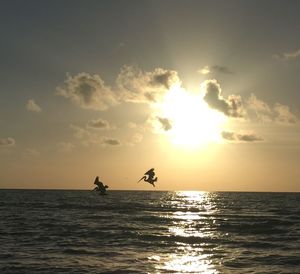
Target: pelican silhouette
{"x":149,"y":177}
{"x":100,"y":186}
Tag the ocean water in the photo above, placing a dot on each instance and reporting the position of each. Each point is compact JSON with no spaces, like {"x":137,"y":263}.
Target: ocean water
{"x":149,"y":232}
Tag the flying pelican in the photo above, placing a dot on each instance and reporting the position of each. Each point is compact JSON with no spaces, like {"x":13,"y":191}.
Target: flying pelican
{"x":149,"y":177}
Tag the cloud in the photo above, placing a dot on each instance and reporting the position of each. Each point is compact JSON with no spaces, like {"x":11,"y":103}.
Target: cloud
{"x":33,"y":106}
{"x":131,"y":125}
{"x":258,"y":110}
{"x":221,"y":69}
{"x":131,"y":85}
{"x":134,"y":139}
{"x":163,"y":78}
{"x":157,"y":124}
{"x":232,"y":106}
{"x":65,"y":146}
{"x":248,"y":137}
{"x":91,"y":138}
{"x":241,"y":136}
{"x":228,"y":135}
{"x":79,"y":132}
{"x":138,"y":86}
{"x":215,"y":69}
{"x":110,"y":141}
{"x":87,"y":91}
{"x":121,"y":45}
{"x":286,"y":56}
{"x":252,"y":109}
{"x":137,"y":138}
{"x":283,"y":114}
{"x":86,"y":136}
{"x":98,"y":124}
{"x":7,"y":142}
{"x":31,"y":152}
{"x":165,"y":123}
{"x":204,"y":70}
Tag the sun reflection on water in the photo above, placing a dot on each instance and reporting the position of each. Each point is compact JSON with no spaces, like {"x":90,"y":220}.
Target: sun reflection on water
{"x":190,"y":223}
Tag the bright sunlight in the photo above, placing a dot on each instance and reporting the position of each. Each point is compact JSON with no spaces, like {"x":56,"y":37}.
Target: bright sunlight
{"x":193,"y":123}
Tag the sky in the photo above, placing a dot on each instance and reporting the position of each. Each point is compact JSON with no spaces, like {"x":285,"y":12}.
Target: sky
{"x":205,"y":92}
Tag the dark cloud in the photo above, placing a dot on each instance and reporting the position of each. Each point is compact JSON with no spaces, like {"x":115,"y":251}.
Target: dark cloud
{"x":221,"y":69}
{"x":161,"y":77}
{"x":87,"y":91}
{"x":7,"y":142}
{"x":248,"y":137}
{"x":231,"y":107}
{"x":228,"y":135}
{"x":98,"y":124}
{"x":165,"y":123}
{"x":241,"y":136}
{"x":110,"y":141}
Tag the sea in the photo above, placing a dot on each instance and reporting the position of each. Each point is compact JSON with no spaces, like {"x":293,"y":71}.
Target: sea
{"x":74,"y":231}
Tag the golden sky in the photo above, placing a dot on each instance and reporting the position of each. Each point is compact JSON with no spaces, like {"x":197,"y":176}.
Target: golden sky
{"x":207,"y":95}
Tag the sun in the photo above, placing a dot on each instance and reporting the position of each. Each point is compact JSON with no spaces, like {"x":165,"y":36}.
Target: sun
{"x":193,"y":123}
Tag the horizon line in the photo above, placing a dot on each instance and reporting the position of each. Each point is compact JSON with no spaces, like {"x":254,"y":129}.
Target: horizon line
{"x":160,"y":190}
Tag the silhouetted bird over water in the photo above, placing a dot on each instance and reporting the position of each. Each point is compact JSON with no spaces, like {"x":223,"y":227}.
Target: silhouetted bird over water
{"x":149,"y":177}
{"x":100,"y":186}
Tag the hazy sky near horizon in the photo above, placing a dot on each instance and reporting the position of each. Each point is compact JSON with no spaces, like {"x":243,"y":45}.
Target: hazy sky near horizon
{"x":206,"y":92}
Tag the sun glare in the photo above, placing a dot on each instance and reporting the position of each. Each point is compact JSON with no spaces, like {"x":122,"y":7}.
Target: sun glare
{"x":193,"y":123}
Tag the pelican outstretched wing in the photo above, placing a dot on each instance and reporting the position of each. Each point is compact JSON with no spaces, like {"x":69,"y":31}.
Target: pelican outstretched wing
{"x":144,"y":177}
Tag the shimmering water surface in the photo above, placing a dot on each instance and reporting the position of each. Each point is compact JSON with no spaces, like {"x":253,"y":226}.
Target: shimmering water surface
{"x":149,"y":232}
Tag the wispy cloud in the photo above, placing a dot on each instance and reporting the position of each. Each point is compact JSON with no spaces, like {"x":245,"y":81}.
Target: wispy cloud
{"x":131,"y":125}
{"x":205,"y":70}
{"x":7,"y":142}
{"x":286,"y":56}
{"x":215,"y":69}
{"x":87,"y":137}
{"x":241,"y":136}
{"x":31,"y":152}
{"x":284,"y":115}
{"x":136,"y":138}
{"x":33,"y":106}
{"x":258,"y":110}
{"x":65,"y":146}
